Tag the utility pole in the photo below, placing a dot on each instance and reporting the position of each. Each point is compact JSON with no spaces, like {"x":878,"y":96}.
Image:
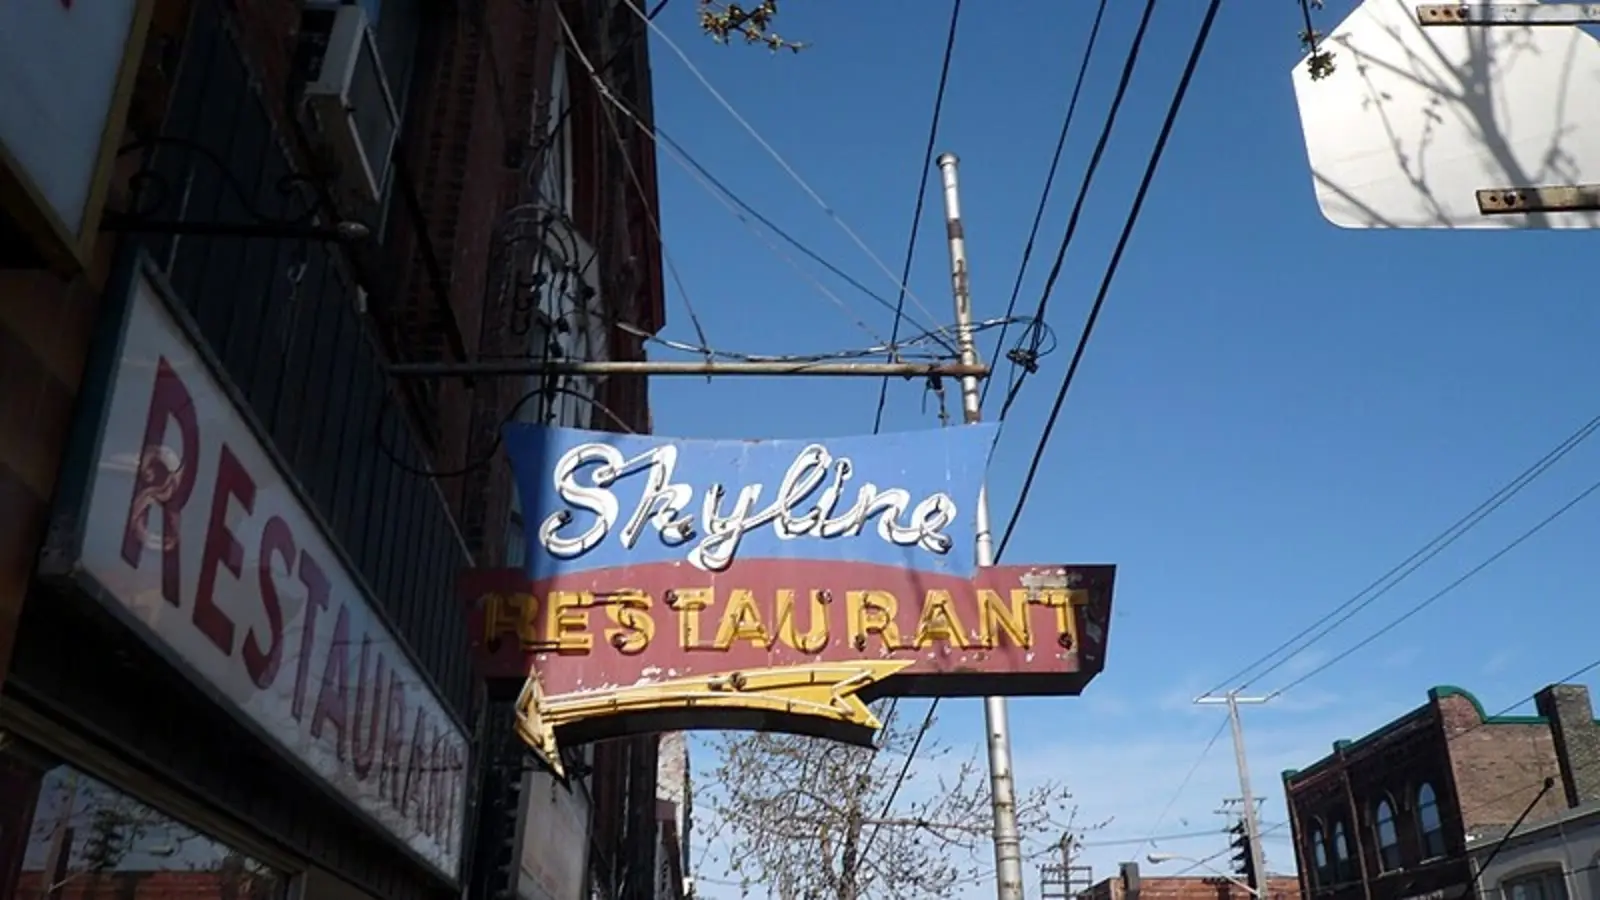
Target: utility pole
{"x":1002,"y":786}
{"x":1252,"y":824}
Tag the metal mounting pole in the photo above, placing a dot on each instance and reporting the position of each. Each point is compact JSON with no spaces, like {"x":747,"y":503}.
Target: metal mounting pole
{"x":1002,"y":785}
{"x":1252,"y":824}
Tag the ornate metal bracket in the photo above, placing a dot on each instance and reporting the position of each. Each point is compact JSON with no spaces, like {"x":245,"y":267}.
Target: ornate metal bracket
{"x":151,"y":192}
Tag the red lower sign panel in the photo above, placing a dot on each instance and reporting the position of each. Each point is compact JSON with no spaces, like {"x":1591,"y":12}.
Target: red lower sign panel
{"x":800,"y":643}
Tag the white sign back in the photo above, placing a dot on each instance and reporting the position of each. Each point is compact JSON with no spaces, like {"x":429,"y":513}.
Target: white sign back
{"x":60,"y":64}
{"x":1415,"y":120}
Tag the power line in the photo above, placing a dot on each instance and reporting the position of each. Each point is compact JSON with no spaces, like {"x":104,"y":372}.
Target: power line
{"x":1430,"y":599}
{"x":1128,"y":65}
{"x":1171,"y":802}
{"x":1487,"y":720}
{"x":725,"y":194}
{"x":1154,"y":838}
{"x":633,"y":175}
{"x":922,"y":193}
{"x":784,"y":163}
{"x":894,"y":334}
{"x":1133,"y":215}
{"x":1049,"y":181}
{"x":688,"y":159}
{"x":1388,"y":580}
{"x":1116,"y":259}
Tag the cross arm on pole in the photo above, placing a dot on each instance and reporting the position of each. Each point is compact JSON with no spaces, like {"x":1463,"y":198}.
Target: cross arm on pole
{"x":532,"y":366}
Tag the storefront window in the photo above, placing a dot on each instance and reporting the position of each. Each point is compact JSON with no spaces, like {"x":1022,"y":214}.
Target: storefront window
{"x":67,"y":836}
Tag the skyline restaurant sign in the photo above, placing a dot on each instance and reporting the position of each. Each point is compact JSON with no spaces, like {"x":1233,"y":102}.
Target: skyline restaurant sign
{"x":773,"y":585}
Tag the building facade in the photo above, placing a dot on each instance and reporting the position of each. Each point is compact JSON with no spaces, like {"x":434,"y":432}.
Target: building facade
{"x":1130,"y":885}
{"x":1400,"y":812}
{"x":675,"y":817}
{"x":228,"y":647}
{"x":1550,"y":859}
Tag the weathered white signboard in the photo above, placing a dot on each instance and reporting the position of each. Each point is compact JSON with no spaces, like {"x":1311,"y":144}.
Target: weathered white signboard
{"x":1454,"y":125}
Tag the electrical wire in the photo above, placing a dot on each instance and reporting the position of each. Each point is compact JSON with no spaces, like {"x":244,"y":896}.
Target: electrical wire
{"x":660,"y":134}
{"x":725,"y":195}
{"x":894,"y":337}
{"x":739,"y":215}
{"x":633,"y":174}
{"x":1111,"y":269}
{"x":703,"y":173}
{"x":1049,"y":182}
{"x":922,"y":194}
{"x":876,"y":350}
{"x":784,"y":164}
{"x":1133,"y":215}
{"x":1405,"y":567}
{"x":905,"y":772}
{"x":1020,"y":371}
{"x":1431,"y":599}
{"x":1184,"y":784}
{"x":499,"y":438}
{"x":1442,"y":592}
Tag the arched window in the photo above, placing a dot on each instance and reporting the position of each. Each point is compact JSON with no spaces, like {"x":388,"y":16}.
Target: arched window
{"x":1429,"y":822}
{"x":1388,"y":837}
{"x":1343,"y":870}
{"x":1319,"y":854}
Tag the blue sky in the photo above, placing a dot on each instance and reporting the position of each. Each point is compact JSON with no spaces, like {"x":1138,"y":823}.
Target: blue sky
{"x":1273,"y":411}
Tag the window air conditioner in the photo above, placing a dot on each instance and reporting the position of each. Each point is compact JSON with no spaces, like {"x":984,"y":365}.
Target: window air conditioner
{"x":348,"y":95}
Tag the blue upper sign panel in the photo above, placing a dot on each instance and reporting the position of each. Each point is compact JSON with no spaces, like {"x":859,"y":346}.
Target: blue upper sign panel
{"x":596,"y":500}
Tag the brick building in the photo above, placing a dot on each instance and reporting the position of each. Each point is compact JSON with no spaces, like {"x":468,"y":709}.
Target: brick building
{"x":1132,"y":886}
{"x":228,"y":532}
{"x":1397,"y":813}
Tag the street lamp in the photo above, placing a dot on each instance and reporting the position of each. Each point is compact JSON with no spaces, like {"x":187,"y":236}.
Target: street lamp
{"x":1157,"y":859}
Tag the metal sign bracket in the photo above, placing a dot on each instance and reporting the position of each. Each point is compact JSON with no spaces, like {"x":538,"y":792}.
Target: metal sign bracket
{"x":1520,"y":14}
{"x":1550,"y":199}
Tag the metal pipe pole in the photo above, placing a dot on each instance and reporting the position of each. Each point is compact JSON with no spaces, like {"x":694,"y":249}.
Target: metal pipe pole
{"x":1002,"y":784}
{"x":1252,"y":824}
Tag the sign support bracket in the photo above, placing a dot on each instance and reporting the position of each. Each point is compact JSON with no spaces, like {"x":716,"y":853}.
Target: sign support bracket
{"x":1507,"y":14}
{"x":1548,"y":199}
{"x":527,"y":366}
{"x":1532,"y":199}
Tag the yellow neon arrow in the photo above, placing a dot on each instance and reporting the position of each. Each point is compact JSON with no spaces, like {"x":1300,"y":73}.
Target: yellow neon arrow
{"x":828,"y":690}
{"x":534,"y":730}
{"x":824,"y":690}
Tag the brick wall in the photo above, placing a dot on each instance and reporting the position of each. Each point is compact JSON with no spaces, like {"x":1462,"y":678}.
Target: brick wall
{"x":1497,"y":768}
{"x":1577,"y":739}
{"x":1180,"y":887}
{"x":454,"y":147}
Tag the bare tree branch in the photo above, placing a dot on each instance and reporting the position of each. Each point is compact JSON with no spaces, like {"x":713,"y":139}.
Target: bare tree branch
{"x":725,"y":20}
{"x":808,"y":819}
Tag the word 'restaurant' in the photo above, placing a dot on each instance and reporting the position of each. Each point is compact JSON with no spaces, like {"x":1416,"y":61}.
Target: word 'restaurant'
{"x":807,"y":622}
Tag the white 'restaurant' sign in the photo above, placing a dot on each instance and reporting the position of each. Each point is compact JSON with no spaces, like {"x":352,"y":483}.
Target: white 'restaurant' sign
{"x":191,"y":529}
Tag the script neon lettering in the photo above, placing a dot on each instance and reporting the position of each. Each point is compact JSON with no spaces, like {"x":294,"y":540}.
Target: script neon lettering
{"x":584,"y":478}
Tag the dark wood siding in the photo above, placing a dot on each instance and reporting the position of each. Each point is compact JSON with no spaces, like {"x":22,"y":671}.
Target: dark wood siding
{"x":301,"y":352}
